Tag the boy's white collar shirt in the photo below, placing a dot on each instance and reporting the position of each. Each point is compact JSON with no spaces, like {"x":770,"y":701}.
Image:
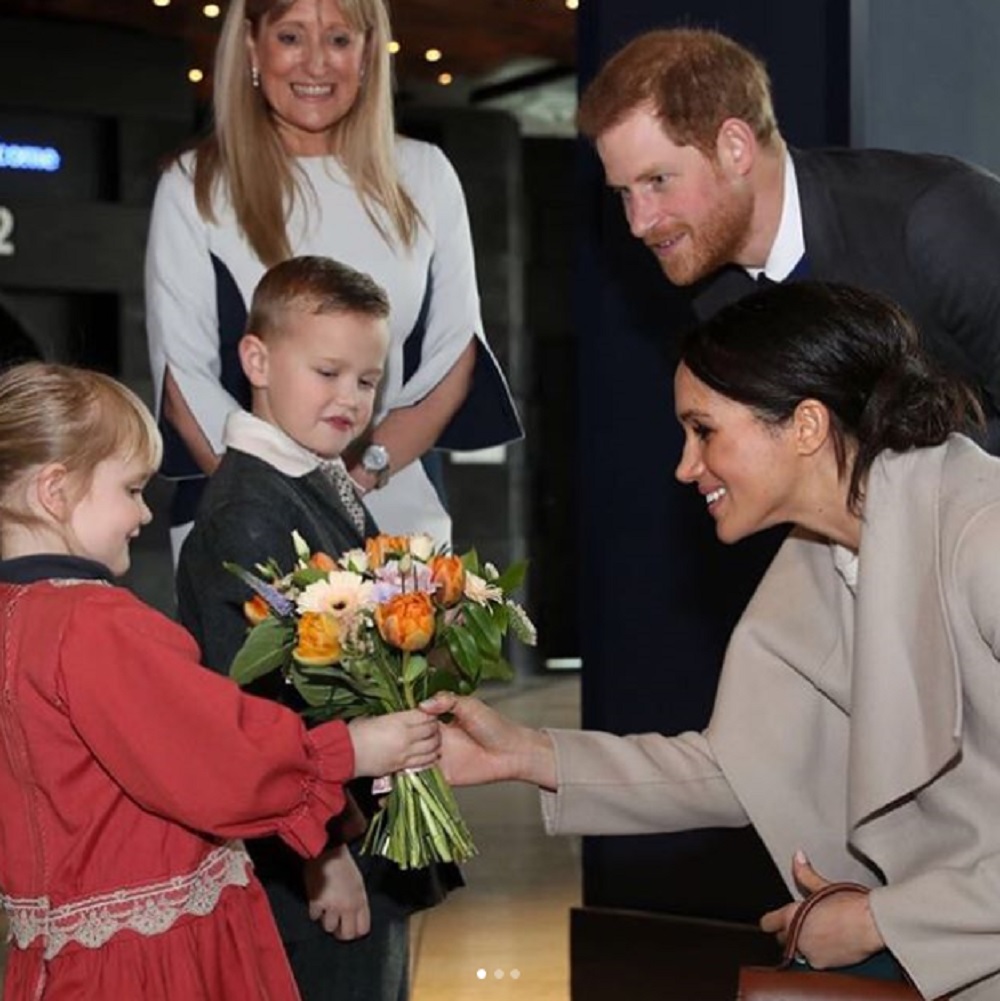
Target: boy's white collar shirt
{"x":250,"y":434}
{"x":789,"y":245}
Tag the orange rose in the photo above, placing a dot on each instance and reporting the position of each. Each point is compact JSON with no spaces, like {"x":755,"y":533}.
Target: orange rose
{"x":322,"y":562}
{"x":256,"y":610}
{"x":318,"y":640}
{"x":406,"y":621}
{"x":448,"y":574}
{"x":381,"y":546}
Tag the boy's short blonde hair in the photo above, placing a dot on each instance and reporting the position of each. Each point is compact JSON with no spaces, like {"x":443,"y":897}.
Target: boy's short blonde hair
{"x":312,"y":284}
{"x":74,"y":416}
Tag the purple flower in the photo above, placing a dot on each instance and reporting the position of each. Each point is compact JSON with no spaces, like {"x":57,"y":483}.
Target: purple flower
{"x":281,"y":605}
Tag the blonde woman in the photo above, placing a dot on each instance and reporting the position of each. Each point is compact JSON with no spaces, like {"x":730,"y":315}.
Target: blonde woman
{"x":304,"y":159}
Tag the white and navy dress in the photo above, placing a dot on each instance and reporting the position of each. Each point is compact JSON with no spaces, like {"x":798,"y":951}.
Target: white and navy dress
{"x":200,"y":277}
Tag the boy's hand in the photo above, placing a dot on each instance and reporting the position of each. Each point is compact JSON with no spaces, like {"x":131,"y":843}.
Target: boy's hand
{"x":336,"y":893}
{"x":392,"y":743}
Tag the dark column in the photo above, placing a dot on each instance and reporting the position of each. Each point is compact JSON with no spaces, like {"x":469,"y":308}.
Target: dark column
{"x":108,"y":104}
{"x":488,"y":491}
{"x":661,"y":594}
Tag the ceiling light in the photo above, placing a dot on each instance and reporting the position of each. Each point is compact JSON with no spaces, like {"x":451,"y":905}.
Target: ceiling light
{"x":161,"y":3}
{"x":432,"y":55}
{"x":393,"y":47}
{"x":572,"y":4}
{"x":196,"y":75}
{"x":214,"y":10}
{"x":444,"y":79}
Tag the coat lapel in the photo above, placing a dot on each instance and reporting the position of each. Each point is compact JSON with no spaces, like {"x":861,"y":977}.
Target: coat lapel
{"x":819,"y":726}
{"x":826,"y":248}
{"x":905,"y":691}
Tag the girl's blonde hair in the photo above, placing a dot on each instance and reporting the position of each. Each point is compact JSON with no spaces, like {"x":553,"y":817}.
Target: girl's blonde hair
{"x":245,"y":155}
{"x":57,"y":413}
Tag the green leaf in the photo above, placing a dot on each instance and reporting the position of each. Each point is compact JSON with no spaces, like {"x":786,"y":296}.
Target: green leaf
{"x":267,"y":647}
{"x":314,"y":693}
{"x":512,"y":578}
{"x":501,"y":616}
{"x":416,"y":666}
{"x":463,"y":651}
{"x":306,"y":576}
{"x":440,"y":681}
{"x":497,"y":670}
{"x":470,"y":561}
{"x":347,"y":687}
{"x":482,"y":628}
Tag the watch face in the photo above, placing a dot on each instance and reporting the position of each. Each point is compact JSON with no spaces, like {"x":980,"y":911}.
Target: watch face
{"x":375,"y":458}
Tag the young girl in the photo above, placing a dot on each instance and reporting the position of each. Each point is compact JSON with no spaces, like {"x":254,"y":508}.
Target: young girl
{"x":126,"y":770}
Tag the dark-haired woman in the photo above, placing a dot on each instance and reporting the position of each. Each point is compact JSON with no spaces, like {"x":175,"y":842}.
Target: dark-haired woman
{"x":857,"y":721}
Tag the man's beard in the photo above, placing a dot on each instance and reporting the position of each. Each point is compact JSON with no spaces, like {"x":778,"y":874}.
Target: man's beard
{"x":716,"y":242}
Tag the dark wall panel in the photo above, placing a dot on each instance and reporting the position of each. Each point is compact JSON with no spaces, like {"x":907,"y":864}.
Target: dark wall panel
{"x":661,"y":593}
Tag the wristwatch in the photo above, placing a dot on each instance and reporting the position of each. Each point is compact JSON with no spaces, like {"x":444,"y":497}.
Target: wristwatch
{"x":375,"y":460}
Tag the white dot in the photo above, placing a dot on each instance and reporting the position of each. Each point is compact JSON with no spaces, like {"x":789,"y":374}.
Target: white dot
{"x":515,"y":974}
{"x":480,"y":974}
{"x":498,"y":974}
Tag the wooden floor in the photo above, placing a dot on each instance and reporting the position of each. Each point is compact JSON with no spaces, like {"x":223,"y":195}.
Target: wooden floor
{"x":505,"y":935}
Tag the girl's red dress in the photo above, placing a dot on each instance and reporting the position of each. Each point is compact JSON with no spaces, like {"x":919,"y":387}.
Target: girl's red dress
{"x":127,"y":774}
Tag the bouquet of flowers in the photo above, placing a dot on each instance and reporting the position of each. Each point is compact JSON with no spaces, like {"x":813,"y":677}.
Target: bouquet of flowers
{"x":376,"y":631}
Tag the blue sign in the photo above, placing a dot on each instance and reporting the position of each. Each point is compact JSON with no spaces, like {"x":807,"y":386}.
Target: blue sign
{"x":23,"y":157}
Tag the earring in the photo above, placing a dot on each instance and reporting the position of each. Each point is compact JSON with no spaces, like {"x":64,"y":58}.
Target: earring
{"x":255,"y":77}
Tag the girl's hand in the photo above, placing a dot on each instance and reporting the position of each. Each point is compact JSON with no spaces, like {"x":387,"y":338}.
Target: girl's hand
{"x":839,"y":931}
{"x":397,"y":741}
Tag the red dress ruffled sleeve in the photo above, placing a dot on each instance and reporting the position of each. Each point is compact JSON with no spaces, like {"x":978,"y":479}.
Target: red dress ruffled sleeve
{"x":187,"y":744}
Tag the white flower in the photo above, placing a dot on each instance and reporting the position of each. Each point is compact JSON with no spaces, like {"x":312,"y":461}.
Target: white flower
{"x":421,"y":547}
{"x":524,"y":628}
{"x":477,"y":590}
{"x":490,"y":572}
{"x":342,"y":594}
{"x":301,"y":548}
{"x":354,"y":559}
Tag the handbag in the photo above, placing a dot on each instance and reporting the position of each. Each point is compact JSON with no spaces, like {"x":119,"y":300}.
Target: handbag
{"x":785,"y":982}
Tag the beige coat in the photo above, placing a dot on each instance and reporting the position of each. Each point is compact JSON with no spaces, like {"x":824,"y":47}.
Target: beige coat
{"x":864,"y":730}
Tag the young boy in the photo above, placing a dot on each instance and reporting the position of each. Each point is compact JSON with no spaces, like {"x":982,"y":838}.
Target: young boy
{"x":314,"y":351}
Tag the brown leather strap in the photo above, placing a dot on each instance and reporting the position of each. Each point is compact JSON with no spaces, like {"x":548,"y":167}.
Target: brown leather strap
{"x":803,"y":911}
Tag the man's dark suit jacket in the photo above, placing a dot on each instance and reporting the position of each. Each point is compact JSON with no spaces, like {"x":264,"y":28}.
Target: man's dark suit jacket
{"x":922,"y":229}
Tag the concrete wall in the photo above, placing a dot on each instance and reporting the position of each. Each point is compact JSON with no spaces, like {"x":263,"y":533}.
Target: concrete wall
{"x":925,"y":77}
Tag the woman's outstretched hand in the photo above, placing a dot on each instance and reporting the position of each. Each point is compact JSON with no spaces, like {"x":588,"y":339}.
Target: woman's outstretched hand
{"x":840,"y":930}
{"x":480,"y":745}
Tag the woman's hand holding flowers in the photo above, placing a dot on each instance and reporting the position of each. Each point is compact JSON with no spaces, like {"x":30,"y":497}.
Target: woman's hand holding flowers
{"x":481,"y":745}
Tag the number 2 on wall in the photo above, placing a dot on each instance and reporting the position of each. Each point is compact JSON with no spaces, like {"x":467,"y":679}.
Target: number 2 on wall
{"x":6,"y":232}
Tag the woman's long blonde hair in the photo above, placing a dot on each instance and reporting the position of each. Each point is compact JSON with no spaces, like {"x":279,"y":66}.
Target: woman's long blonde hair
{"x":245,"y":154}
